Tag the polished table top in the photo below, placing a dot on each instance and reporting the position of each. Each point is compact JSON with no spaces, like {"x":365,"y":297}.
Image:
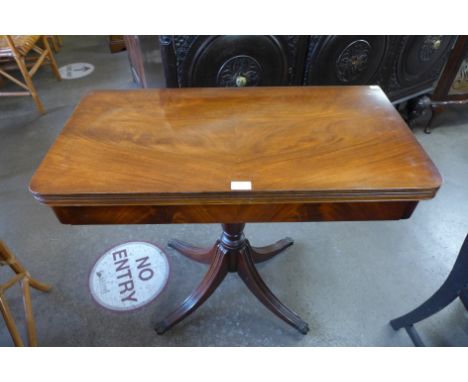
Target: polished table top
{"x":183,"y":148}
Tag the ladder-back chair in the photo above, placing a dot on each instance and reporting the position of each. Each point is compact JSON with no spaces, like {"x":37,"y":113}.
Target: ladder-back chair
{"x":17,"y":50}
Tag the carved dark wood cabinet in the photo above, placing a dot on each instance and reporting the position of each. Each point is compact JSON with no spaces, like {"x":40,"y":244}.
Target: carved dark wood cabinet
{"x":415,"y":64}
{"x":233,"y":60}
{"x":404,"y":66}
{"x":345,"y":60}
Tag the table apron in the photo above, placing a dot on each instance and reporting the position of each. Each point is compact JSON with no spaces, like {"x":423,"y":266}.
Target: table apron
{"x":245,"y":213}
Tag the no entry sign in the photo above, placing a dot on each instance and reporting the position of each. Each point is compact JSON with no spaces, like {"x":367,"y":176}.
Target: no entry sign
{"x":129,"y":276}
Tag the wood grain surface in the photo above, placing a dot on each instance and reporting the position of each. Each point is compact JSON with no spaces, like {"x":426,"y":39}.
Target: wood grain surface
{"x":239,"y":213}
{"x":184,"y":147}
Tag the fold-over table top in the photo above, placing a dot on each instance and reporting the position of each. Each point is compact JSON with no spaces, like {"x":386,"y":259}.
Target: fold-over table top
{"x":187,"y":146}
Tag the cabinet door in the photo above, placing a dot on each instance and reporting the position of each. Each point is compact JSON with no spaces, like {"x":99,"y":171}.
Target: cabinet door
{"x":345,"y":60}
{"x":416,"y":65}
{"x":224,"y":61}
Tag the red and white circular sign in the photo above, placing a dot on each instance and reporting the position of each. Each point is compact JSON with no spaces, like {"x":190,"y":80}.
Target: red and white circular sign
{"x":129,"y":276}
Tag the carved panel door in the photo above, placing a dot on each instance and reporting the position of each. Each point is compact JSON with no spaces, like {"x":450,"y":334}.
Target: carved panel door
{"x":205,"y":61}
{"x":345,"y":60}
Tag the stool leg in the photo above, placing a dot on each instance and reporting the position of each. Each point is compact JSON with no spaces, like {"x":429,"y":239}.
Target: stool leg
{"x":10,"y":323}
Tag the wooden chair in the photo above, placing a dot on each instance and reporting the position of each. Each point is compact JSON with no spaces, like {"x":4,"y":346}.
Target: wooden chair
{"x":17,"y":48}
{"x":23,"y":276}
{"x":455,"y":286}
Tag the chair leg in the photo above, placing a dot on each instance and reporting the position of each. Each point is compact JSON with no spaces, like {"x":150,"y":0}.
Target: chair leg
{"x":30,"y":325}
{"x":414,"y":335}
{"x":55,"y":43}
{"x":443,"y":297}
{"x":464,"y":297}
{"x":27,"y":78}
{"x":453,"y":286}
{"x":50,"y":55}
{"x":26,"y":282}
{"x":33,"y":283}
{"x":7,"y":256}
{"x":10,"y":323}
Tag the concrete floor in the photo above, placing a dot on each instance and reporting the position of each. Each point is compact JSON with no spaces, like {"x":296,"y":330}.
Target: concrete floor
{"x":347,"y":280}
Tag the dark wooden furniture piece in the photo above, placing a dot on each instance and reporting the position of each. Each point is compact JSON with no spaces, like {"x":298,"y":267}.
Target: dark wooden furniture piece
{"x":404,"y":66}
{"x":441,"y":96}
{"x":456,"y":286}
{"x":145,"y":60}
{"x":172,"y":155}
{"x":116,"y":43}
{"x":458,"y":55}
{"x":136,"y":60}
{"x":228,"y":61}
{"x":22,"y":276}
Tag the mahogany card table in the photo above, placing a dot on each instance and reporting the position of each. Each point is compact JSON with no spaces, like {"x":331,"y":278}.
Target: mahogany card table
{"x":233,"y":156}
